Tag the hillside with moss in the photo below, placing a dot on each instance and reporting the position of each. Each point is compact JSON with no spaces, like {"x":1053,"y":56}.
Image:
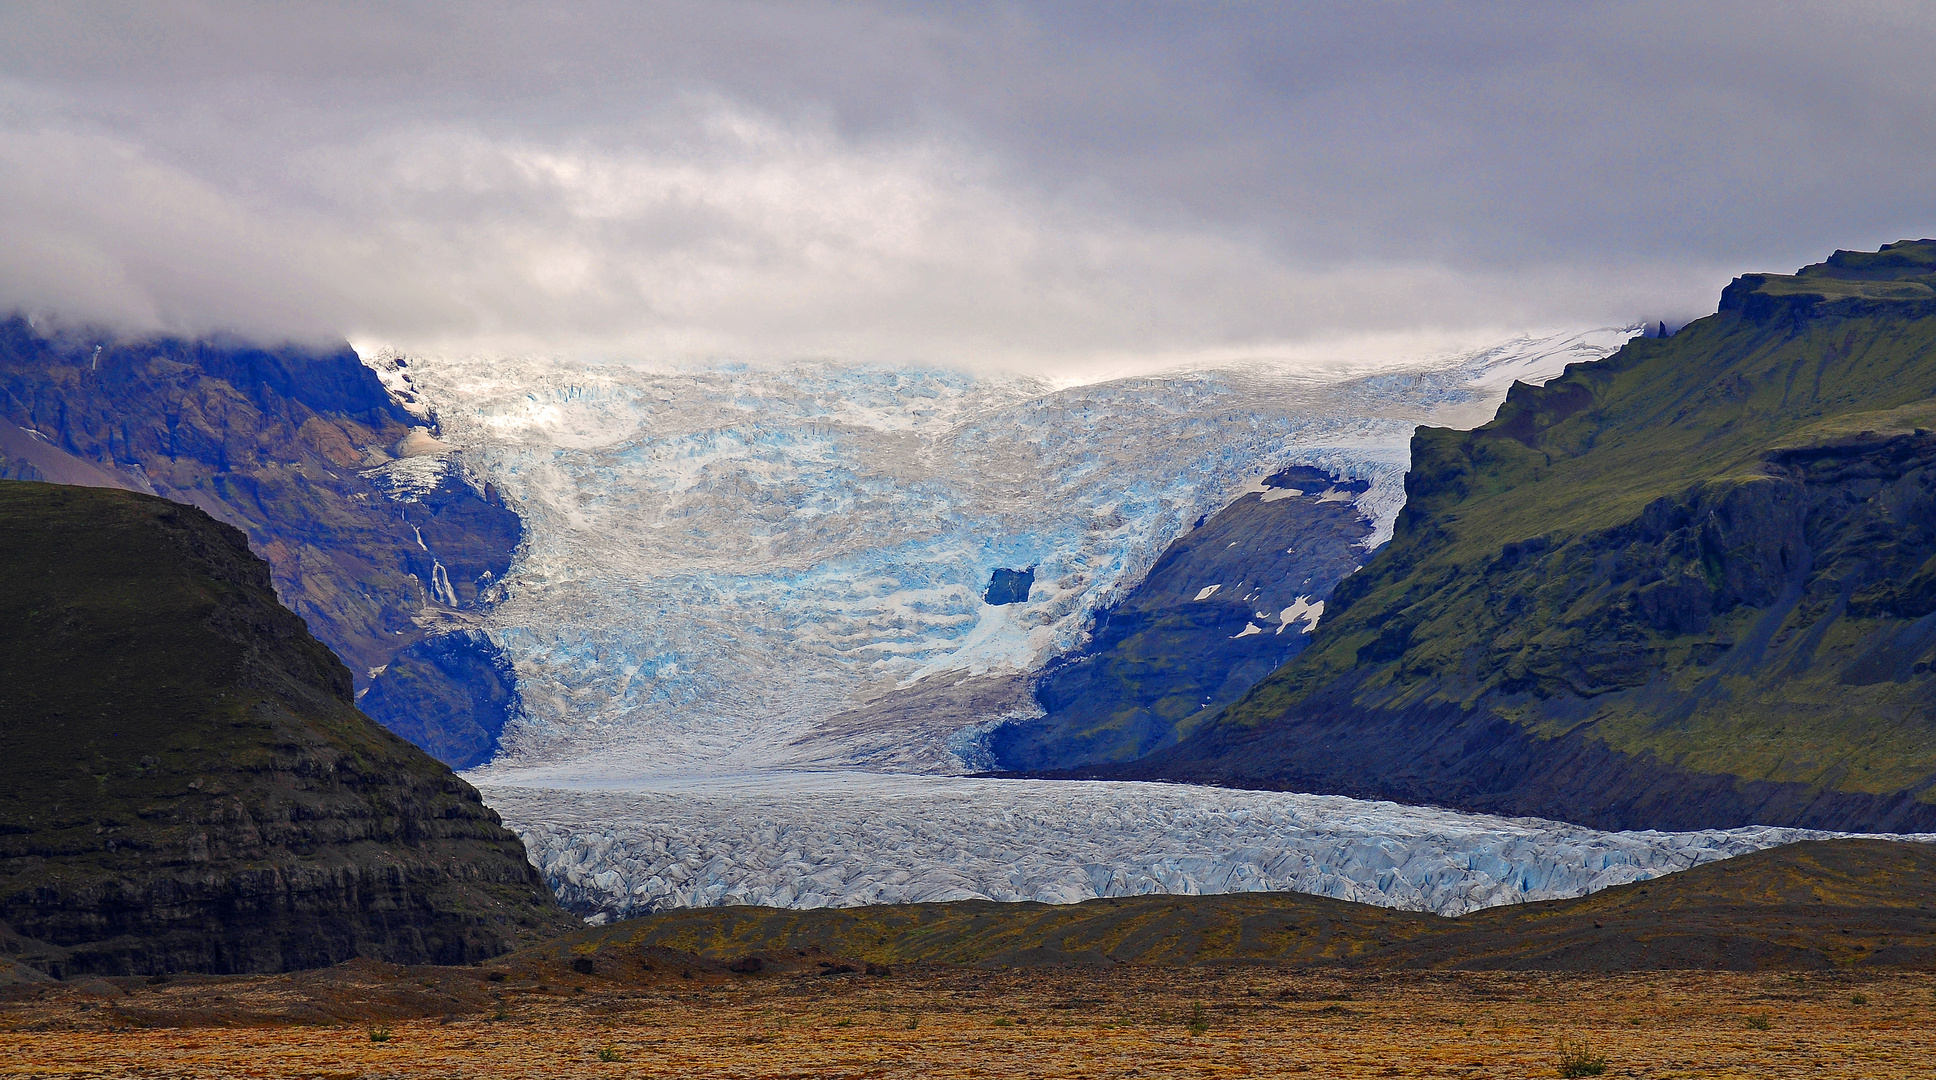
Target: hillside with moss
{"x":188,"y":786}
{"x":1690,"y":585}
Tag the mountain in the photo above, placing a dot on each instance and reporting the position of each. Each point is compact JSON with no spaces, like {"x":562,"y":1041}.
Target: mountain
{"x":372,"y":532}
{"x":189,"y":786}
{"x":1691,"y":585}
{"x":1818,"y":905}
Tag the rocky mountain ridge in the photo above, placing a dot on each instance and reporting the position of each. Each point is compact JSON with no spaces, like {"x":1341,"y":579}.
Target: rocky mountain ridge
{"x":1687,"y":586}
{"x":1225,"y":605}
{"x":372,"y":532}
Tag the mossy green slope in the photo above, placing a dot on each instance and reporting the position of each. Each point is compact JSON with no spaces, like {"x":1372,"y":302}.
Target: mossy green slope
{"x":187,"y":784}
{"x":1691,"y":585}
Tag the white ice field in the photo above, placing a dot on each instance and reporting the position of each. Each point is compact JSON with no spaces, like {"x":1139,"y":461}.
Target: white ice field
{"x":842,"y":839}
{"x":716,"y":559}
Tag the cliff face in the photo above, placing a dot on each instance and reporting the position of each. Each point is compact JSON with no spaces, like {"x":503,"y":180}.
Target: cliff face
{"x":188,"y":784}
{"x":1226,"y":605}
{"x":369,"y":529}
{"x":1691,"y":585}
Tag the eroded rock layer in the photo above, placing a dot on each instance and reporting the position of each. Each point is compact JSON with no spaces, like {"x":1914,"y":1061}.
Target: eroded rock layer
{"x":188,"y":786}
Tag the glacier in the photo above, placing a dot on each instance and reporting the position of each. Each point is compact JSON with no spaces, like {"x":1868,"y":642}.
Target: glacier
{"x":717,"y":559}
{"x":841,"y":840}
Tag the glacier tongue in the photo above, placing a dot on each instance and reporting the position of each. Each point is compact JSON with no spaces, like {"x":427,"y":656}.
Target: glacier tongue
{"x":842,"y":840}
{"x":716,"y":561}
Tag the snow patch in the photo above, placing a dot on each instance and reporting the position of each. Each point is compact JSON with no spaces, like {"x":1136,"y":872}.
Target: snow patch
{"x":410,"y":479}
{"x":1303,"y":609}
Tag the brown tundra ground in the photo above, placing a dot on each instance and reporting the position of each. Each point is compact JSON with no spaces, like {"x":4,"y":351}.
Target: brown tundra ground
{"x":941,"y":1021}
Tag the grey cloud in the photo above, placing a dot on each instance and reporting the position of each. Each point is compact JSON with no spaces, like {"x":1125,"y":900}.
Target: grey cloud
{"x":1004,"y":183}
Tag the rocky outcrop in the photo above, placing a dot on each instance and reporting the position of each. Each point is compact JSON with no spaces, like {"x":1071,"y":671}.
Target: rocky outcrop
{"x":189,"y":786}
{"x":1226,"y":604}
{"x":1693,"y":585}
{"x":371,"y":529}
{"x":449,"y":694}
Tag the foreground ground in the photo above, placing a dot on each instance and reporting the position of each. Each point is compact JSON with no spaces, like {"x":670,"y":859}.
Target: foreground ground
{"x":1832,"y":948}
{"x":1124,"y":1021}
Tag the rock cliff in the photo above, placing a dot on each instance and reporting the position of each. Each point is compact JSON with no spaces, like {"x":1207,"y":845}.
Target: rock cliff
{"x":1691,"y":585}
{"x":371,"y":531}
{"x":188,"y":786}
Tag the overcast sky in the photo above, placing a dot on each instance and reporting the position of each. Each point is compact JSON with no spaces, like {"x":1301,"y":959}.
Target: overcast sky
{"x":1016,"y":185}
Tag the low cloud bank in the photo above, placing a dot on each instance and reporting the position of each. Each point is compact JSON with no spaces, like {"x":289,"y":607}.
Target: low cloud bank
{"x":1057,"y":189}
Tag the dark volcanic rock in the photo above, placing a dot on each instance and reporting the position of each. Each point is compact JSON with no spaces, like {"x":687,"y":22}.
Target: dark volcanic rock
{"x":1692,"y":585}
{"x":1007,"y":586}
{"x":285,"y":445}
{"x":1169,"y":657}
{"x":450,"y":694}
{"x":188,"y":786}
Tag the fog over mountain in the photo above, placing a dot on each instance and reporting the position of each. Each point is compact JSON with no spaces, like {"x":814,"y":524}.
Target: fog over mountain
{"x":1077,"y":185}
